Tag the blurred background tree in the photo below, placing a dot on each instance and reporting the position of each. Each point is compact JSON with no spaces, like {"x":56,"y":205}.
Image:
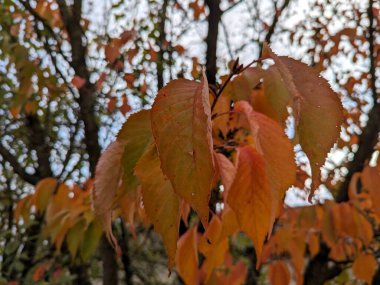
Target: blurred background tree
{"x":72,"y":71}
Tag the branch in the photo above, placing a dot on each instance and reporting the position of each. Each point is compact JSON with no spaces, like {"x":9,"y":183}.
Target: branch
{"x":161,"y":43}
{"x":213,"y":20}
{"x":71,"y":19}
{"x":369,"y":137}
{"x":277,"y":14}
{"x":45,"y":24}
{"x":19,"y":169}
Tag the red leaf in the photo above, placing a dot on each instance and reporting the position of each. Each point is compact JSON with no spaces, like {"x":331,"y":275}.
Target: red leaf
{"x":78,"y":81}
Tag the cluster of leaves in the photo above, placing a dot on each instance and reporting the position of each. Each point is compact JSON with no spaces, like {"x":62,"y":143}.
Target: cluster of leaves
{"x":193,"y":140}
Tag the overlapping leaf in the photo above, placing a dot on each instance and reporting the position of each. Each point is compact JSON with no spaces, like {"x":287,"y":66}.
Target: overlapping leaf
{"x":181,"y":124}
{"x":136,"y":136}
{"x":316,"y":108}
{"x":250,"y":196}
{"x":161,"y":203}
{"x":276,"y":149}
{"x":107,"y":181}
{"x":187,"y":257}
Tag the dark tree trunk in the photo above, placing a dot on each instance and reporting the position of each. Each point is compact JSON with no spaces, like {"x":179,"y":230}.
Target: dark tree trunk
{"x":214,"y":17}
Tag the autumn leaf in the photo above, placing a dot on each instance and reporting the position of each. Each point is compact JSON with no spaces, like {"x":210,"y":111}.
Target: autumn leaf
{"x":316,"y":108}
{"x":107,"y":181}
{"x":44,"y":190}
{"x":91,"y":240}
{"x":371,"y":182}
{"x":187,"y":257}
{"x":250,"y":197}
{"x":136,"y":135}
{"x":181,"y":124}
{"x":277,"y":151}
{"x":160,"y":202}
{"x":226,"y":170}
{"x":364,"y":267}
{"x":213,"y":246}
{"x":78,"y":81}
{"x":279,"y":273}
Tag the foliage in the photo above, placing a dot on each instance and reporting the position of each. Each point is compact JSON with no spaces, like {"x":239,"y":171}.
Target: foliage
{"x":197,"y":168}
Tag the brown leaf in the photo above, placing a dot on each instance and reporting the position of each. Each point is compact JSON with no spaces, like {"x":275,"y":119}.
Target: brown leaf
{"x":107,"y":182}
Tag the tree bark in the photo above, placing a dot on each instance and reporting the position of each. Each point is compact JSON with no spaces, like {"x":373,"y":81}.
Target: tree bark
{"x":369,"y":137}
{"x":71,"y":17}
{"x":213,"y":19}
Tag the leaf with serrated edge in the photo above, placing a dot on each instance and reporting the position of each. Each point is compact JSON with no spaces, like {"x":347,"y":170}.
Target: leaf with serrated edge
{"x":181,"y":124}
{"x":277,"y":150}
{"x":160,"y":202}
{"x":250,"y":197}
{"x":107,"y":180}
{"x":317,"y":110}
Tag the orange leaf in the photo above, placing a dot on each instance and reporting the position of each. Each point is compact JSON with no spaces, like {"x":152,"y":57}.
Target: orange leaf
{"x":279,"y":273}
{"x":364,"y":267}
{"x":40,"y":271}
{"x":277,"y":150}
{"x":181,"y":124}
{"x":44,"y":190}
{"x":250,"y":197}
{"x":187,"y":257}
{"x":316,"y":108}
{"x":371,"y":183}
{"x":226,"y":170}
{"x":160,"y":202}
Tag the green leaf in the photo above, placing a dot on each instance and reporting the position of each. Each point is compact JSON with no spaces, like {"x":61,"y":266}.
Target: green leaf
{"x":91,"y":239}
{"x":75,"y":236}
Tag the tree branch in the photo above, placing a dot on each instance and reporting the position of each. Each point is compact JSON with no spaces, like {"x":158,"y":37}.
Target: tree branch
{"x":19,"y":169}
{"x":86,"y":99}
{"x":213,"y":19}
{"x":369,"y":137}
{"x":277,"y":14}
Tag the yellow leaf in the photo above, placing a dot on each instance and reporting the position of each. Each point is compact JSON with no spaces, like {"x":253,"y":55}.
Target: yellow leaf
{"x":181,"y":124}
